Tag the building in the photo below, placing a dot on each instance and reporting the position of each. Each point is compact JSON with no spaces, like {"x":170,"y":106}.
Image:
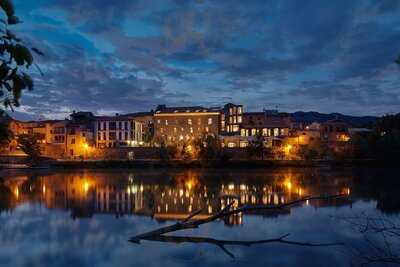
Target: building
{"x":231,"y":118}
{"x":179,"y":125}
{"x":117,"y":131}
{"x":147,"y":121}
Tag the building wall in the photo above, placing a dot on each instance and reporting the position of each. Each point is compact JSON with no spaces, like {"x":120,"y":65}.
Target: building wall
{"x":118,"y":132}
{"x":175,"y":128}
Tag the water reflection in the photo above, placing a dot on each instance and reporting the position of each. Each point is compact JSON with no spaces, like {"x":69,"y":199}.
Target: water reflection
{"x":171,"y":196}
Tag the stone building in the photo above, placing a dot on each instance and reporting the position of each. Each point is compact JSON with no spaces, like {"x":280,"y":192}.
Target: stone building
{"x":179,"y":125}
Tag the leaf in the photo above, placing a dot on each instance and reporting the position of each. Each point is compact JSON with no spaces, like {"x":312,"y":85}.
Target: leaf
{"x":22,"y":55}
{"x":4,"y":69}
{"x":37,"y":51}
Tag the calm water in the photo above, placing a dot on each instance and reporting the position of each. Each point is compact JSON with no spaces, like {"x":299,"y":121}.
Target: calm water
{"x":84,"y":218}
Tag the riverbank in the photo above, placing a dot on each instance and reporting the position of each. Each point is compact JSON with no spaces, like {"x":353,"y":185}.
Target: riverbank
{"x":232,"y":164}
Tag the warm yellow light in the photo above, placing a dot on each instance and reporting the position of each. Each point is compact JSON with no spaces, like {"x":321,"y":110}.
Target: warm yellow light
{"x":85,"y":146}
{"x":86,"y":186}
{"x":288,"y":184}
{"x":44,"y":189}
{"x":287,"y":149}
{"x":17,"y":193}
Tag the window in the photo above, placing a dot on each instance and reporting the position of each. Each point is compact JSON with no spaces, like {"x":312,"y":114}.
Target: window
{"x":191,"y":130}
{"x":112,"y":125}
{"x":112,"y":136}
{"x":120,"y":125}
{"x":126,"y":136}
{"x":239,"y":119}
{"x":104,"y":136}
{"x":207,"y":129}
{"x":240,"y":110}
{"x":126,"y":125}
{"x":99,"y":136}
{"x":120,"y":136}
{"x":265,"y":132}
{"x":231,"y":144}
{"x":99,"y":126}
{"x":243,"y":144}
{"x":190,"y":121}
{"x":243,"y":132}
{"x":166,"y":122}
{"x":72,"y":141}
{"x":253,"y":132}
{"x":210,"y":121}
{"x":175,"y":130}
{"x":276,"y":131}
{"x":235,"y":128}
{"x":159,"y":121}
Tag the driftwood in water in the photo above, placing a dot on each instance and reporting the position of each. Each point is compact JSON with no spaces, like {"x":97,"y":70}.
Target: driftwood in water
{"x":190,"y":222}
{"x":223,"y":243}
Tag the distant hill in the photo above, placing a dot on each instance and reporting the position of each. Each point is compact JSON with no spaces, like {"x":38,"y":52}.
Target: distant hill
{"x":309,"y":117}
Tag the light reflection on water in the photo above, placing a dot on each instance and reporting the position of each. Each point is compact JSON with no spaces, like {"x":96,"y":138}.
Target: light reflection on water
{"x":85,"y":217}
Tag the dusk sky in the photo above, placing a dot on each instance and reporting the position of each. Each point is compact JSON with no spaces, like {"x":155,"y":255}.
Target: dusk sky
{"x":125,"y":56}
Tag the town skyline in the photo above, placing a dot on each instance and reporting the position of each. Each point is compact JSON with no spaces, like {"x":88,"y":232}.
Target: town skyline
{"x":130,"y":56}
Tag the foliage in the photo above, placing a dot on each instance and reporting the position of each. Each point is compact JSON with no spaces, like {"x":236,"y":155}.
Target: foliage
{"x":256,"y":147}
{"x":30,"y":145}
{"x":209,"y":150}
{"x":15,"y":59}
{"x":5,"y":133}
{"x":167,"y":153}
{"x":317,"y":149}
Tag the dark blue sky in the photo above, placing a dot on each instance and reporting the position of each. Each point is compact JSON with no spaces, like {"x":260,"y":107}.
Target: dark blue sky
{"x":125,"y":55}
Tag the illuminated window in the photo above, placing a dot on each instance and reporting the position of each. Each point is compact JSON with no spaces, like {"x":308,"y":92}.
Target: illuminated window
{"x":166,"y":122}
{"x":235,"y":128}
{"x":231,"y":144}
{"x":239,"y":119}
{"x":243,"y":132}
{"x":276,"y":131}
{"x":240,"y":110}
{"x":210,"y":121}
{"x":158,"y":121}
{"x":191,"y":130}
{"x":243,"y":144}
{"x":207,"y":129}
{"x":190,"y":121}
{"x":175,"y":130}
{"x":265,"y":132}
{"x":253,"y":132}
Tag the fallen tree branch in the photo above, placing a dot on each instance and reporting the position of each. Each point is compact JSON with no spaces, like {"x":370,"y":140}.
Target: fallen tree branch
{"x":191,"y":223}
{"x":223,"y":243}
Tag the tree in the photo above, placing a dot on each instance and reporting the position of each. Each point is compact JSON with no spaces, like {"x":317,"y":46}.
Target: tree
{"x":256,"y":147}
{"x":209,"y":150}
{"x":15,"y":59}
{"x":5,"y":133}
{"x":30,"y":145}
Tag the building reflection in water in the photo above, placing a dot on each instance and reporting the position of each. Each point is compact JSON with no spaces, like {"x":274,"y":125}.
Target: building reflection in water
{"x":172,"y":198}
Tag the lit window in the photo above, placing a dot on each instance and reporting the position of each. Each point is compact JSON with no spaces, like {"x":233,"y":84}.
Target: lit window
{"x":231,"y":144}
{"x":243,"y":144}
{"x":207,"y":129}
{"x":239,"y":110}
{"x":239,"y":119}
{"x":235,"y":128}
{"x":276,"y":131}
{"x":210,"y":121}
{"x":190,"y":121}
{"x":191,"y":130}
{"x":253,"y":132}
{"x":265,"y":132}
{"x":175,"y":130}
{"x":158,"y":121}
{"x":166,"y":122}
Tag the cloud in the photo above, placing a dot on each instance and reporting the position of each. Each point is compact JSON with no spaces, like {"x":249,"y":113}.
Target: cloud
{"x":132,"y":55}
